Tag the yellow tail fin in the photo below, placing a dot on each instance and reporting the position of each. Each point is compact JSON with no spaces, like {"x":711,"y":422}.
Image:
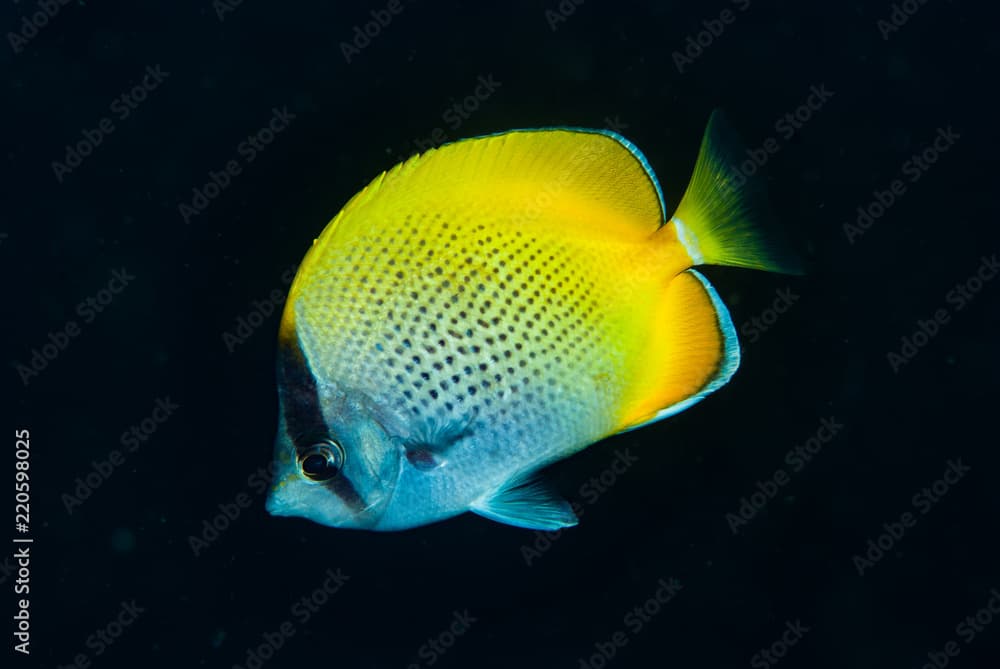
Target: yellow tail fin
{"x":723,"y":218}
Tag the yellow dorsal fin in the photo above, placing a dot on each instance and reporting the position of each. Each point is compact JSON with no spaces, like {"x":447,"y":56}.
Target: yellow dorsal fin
{"x":578,"y":178}
{"x":529,"y":173}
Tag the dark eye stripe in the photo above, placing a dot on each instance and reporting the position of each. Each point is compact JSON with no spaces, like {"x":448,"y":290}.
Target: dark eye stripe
{"x":303,"y":416}
{"x":342,"y":487}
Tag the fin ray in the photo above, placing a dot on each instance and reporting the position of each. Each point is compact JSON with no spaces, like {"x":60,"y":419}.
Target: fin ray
{"x":580,"y":176}
{"x":724,"y":218}
{"x":693,"y":352}
{"x":527,"y":502}
{"x":428,"y":446}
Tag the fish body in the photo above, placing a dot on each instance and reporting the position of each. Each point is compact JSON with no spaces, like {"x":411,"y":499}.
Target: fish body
{"x":490,"y":307}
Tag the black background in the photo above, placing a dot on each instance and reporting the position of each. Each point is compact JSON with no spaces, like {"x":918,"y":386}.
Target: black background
{"x":666,"y":516}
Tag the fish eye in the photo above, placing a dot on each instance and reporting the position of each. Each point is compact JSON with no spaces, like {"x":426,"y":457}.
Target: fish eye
{"x":322,"y":461}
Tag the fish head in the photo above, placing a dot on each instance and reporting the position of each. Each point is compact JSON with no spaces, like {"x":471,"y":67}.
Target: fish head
{"x":338,"y":469}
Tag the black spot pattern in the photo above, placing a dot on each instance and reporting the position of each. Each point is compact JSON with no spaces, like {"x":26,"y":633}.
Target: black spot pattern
{"x":444,"y":317}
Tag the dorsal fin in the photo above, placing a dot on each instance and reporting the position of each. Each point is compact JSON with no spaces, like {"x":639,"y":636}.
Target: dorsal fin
{"x":589,"y":174}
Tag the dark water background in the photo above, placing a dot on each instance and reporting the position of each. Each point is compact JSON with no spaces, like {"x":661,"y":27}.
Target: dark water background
{"x":665,"y":517}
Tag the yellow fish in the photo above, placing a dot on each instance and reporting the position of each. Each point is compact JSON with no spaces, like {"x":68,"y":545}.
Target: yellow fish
{"x":494,"y":305}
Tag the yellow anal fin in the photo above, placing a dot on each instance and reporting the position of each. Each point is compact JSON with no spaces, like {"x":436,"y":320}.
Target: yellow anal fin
{"x":692,"y":351}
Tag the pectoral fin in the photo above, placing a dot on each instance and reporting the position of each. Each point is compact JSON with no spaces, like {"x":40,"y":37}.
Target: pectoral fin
{"x":529,"y":503}
{"x":428,"y":447}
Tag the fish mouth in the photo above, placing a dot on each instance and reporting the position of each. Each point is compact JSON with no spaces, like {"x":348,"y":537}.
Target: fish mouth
{"x":285,"y":499}
{"x":274,"y":505}
{"x":281,"y":500}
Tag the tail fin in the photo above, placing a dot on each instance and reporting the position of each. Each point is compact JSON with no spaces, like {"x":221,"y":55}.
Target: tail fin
{"x":723,"y":218}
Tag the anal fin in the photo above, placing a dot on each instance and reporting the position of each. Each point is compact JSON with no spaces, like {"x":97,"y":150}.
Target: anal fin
{"x":692,"y":351}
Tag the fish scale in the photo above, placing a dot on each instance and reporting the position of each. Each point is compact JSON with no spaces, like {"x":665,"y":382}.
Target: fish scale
{"x":497,"y":338}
